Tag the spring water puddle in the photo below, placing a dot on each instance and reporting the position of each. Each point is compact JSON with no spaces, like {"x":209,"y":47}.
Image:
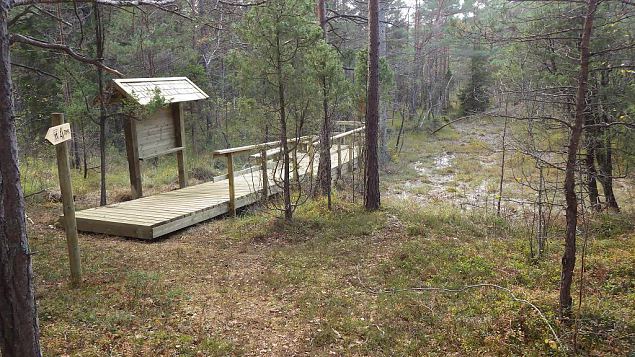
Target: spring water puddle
{"x":441,"y":162}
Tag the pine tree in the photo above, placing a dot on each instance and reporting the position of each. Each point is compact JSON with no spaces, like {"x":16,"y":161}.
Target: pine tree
{"x":474,"y":98}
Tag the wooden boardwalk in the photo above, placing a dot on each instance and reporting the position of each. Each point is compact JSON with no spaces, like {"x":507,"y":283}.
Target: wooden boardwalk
{"x":154,"y":216}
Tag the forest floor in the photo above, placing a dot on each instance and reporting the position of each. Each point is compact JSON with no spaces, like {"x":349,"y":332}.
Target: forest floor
{"x":347,"y":282}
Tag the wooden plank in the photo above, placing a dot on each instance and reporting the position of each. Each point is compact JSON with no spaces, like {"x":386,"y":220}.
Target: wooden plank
{"x":163,"y":206}
{"x":146,"y":156}
{"x":158,"y":141}
{"x":157,"y":133}
{"x":169,"y":210}
{"x":170,"y":206}
{"x":158,"y":127}
{"x":152,"y":135}
{"x":198,"y":217}
{"x":201,"y":195}
{"x":164,"y":140}
{"x":114,"y":228}
{"x":176,"y":205}
{"x":135,"y":213}
{"x":119,"y":217}
{"x":147,"y":152}
{"x":162,"y":117}
{"x":126,"y":218}
{"x":172,"y":89}
{"x":171,"y":198}
{"x":145,"y":213}
{"x":187,"y":199}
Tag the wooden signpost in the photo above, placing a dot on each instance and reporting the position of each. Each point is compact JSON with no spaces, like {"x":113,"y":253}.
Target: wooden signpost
{"x":59,"y":134}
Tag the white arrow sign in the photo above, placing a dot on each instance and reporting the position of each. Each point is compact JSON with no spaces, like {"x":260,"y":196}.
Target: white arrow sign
{"x":59,"y":134}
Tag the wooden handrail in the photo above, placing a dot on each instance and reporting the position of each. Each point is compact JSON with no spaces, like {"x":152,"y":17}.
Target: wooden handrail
{"x":349,"y":123}
{"x":262,"y":148}
{"x":347,"y":133}
{"x":254,"y":147}
{"x":342,"y":135}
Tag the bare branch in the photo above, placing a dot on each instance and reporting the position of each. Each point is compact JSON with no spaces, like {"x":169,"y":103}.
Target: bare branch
{"x":50,"y":14}
{"x":62,"y":48}
{"x":17,"y":17}
{"x":100,"y":2}
{"x":607,"y":125}
{"x":38,"y":71}
{"x":243,"y":5}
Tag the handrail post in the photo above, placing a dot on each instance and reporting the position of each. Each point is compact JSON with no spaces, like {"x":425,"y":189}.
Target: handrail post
{"x":339,"y":158}
{"x":265,"y":178}
{"x":360,"y":148}
{"x":232,"y":192}
{"x":351,"y":145}
{"x":294,"y":158}
{"x":311,"y":152}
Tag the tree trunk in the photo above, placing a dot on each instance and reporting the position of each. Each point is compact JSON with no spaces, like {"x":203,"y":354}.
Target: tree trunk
{"x":286,"y":179}
{"x":99,"y":37}
{"x":324,"y":166}
{"x":568,"y":259}
{"x":591,"y":173}
{"x":19,"y":333}
{"x":502,"y":172}
{"x":371,"y":172}
{"x":77,"y":159}
{"x":384,"y":156}
{"x":604,"y":155}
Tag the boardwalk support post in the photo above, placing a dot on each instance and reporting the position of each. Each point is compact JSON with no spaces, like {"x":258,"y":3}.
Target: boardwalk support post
{"x":179,"y":131}
{"x":311,"y":152}
{"x":232,"y":188}
{"x":134,"y":165}
{"x":66,"y":188}
{"x":296,"y":168}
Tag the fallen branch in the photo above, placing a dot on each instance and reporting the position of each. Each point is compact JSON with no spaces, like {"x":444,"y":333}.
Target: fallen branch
{"x":462,"y":118}
{"x":35,"y":193}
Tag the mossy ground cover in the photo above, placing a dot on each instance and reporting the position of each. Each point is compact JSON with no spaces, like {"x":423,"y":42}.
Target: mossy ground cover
{"x":342,"y":282}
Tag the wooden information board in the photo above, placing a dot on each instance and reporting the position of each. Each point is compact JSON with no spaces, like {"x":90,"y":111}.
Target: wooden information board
{"x":164,"y":131}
